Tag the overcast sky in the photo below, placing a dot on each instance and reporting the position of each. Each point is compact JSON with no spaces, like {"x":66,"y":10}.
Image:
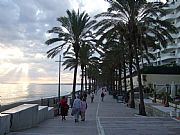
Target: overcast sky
{"x":23,"y":27}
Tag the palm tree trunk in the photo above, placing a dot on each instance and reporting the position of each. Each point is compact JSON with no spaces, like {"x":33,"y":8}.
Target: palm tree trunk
{"x":116,"y":82}
{"x":75,"y":75}
{"x":141,"y":96}
{"x":91,"y":84}
{"x":82,"y":79}
{"x":74,"y":83}
{"x":125,"y":83}
{"x":119,"y":81}
{"x":85,"y":78}
{"x":132,"y":103}
{"x":112,"y":83}
{"x":89,"y":89}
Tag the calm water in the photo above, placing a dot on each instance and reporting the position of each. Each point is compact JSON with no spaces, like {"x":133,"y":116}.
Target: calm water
{"x":10,"y":93}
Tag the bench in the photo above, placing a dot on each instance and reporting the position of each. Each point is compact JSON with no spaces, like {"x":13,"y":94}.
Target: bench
{"x":23,"y":116}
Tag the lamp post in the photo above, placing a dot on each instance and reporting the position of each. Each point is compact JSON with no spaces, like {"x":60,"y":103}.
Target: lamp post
{"x":59,"y":84}
{"x":166,"y":96}
{"x":155,"y":93}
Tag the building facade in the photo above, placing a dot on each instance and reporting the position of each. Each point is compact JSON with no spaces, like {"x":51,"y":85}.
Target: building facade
{"x":170,"y":54}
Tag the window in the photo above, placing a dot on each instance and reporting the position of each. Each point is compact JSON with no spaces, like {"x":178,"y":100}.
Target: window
{"x":158,"y":55}
{"x":144,"y":78}
{"x":172,"y":53}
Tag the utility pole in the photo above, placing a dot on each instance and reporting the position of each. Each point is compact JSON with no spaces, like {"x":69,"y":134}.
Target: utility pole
{"x":59,"y":84}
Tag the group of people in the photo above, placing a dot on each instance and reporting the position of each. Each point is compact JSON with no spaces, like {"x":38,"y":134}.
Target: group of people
{"x":79,"y":105}
{"x":79,"y":108}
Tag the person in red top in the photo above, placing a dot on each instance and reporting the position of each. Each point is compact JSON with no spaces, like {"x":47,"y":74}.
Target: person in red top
{"x":64,"y":107}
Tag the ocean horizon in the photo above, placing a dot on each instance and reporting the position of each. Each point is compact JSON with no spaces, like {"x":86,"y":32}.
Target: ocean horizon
{"x":20,"y":92}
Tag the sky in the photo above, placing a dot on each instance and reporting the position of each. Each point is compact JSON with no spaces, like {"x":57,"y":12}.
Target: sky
{"x":23,"y":32}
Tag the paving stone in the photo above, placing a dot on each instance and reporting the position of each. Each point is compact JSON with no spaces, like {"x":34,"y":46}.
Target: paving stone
{"x":106,"y":118}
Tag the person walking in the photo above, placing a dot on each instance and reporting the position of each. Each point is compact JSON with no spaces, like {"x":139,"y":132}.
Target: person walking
{"x":83,"y":109}
{"x":64,"y":107}
{"x":102,"y":96}
{"x":85,"y":95}
{"x":76,"y":108}
{"x":92,"y":97}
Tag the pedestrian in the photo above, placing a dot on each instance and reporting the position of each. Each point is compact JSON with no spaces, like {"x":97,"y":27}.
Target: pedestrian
{"x":92,"y":97}
{"x":83,"y":109}
{"x":127,"y":96}
{"x":76,"y":108}
{"x":64,"y":107}
{"x":85,"y":95}
{"x":102,"y":96}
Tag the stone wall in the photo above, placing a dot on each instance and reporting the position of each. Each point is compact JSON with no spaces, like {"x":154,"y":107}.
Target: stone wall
{"x":152,"y":111}
{"x":51,"y":102}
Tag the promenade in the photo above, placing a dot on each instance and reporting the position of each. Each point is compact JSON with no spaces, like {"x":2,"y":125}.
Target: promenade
{"x":106,"y":118}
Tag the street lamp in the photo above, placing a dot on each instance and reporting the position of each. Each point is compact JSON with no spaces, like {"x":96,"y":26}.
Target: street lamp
{"x":59,"y":85}
{"x":166,"y":96}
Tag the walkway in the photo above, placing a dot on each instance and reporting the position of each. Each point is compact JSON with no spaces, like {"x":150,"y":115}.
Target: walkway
{"x":106,"y":118}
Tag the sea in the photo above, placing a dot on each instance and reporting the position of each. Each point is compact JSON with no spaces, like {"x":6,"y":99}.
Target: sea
{"x":12,"y":92}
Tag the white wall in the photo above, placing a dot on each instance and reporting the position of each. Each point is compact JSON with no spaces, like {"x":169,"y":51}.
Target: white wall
{"x":161,"y":79}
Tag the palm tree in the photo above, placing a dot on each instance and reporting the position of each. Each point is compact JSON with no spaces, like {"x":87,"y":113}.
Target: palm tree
{"x":140,"y":20}
{"x":74,"y":31}
{"x":142,"y":26}
{"x":85,"y":59}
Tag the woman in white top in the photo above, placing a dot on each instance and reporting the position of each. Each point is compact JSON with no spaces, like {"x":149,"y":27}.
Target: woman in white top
{"x":76,"y":108}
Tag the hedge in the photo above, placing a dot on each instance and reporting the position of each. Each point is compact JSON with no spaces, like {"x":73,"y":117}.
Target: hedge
{"x":161,"y":70}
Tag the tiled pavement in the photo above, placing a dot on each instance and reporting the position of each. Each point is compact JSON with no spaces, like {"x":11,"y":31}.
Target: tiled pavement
{"x":106,"y":118}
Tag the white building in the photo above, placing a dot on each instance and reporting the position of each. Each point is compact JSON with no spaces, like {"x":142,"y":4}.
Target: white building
{"x":170,"y":54}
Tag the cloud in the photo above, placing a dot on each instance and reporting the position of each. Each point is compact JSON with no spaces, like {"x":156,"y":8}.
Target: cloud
{"x":23,"y":27}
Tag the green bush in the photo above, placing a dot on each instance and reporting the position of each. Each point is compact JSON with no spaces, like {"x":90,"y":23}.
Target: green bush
{"x":161,"y":70}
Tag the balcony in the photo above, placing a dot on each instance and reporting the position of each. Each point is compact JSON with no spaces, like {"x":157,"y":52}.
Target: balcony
{"x":177,"y":4}
{"x":177,"y":14}
{"x":168,"y":56}
{"x":177,"y":25}
{"x":171,"y":5}
{"x":171,"y":47}
{"x":169,"y":17}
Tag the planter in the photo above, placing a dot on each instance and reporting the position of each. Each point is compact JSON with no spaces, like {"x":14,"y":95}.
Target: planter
{"x":178,"y":114}
{"x":173,"y":114}
{"x":174,"y":105}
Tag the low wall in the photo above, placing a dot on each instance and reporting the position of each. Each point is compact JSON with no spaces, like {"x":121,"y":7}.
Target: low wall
{"x":50,"y":114}
{"x":23,"y":116}
{"x":152,"y":111}
{"x":51,"y":102}
{"x":4,"y":124}
{"x":42,"y":113}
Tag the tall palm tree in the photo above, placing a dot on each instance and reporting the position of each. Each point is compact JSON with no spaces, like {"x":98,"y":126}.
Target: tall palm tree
{"x":140,"y":19}
{"x":74,"y":31}
{"x":85,"y":59}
